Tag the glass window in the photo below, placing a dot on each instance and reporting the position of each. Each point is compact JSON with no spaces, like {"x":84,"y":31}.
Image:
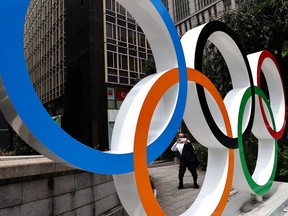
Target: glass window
{"x":132,"y":64}
{"x":110,"y":59}
{"x":131,"y":37}
{"x":121,"y":49}
{"x":120,"y":9}
{"x":111,"y":30}
{"x":123,"y":73}
{"x":110,"y":5}
{"x":124,"y":80}
{"x":113,"y":79}
{"x":141,"y":39}
{"x":112,"y":71}
{"x":203,"y":3}
{"x":121,"y":34}
{"x":181,"y":9}
{"x":124,"y":62}
{"x":130,"y":18}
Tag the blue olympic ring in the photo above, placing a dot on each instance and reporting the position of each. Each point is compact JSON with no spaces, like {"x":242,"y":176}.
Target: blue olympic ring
{"x":20,"y":104}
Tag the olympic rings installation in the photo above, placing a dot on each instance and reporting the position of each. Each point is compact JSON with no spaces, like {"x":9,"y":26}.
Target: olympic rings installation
{"x":152,"y":112}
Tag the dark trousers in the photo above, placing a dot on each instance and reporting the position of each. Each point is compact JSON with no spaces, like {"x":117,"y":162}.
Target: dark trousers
{"x":191,"y":167}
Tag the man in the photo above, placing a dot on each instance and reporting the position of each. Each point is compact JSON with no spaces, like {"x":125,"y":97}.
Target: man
{"x":187,"y":159}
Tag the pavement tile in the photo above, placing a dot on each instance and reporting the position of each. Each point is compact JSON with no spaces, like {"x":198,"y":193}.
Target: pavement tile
{"x":174,"y":201}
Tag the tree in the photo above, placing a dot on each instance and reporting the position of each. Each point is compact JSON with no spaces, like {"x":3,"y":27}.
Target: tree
{"x":262,"y":25}
{"x":258,"y":25}
{"x":149,"y":67}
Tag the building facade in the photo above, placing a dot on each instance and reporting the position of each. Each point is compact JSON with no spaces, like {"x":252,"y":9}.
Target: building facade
{"x":126,"y":51}
{"x":188,"y":14}
{"x":83,"y":57}
{"x":44,"y":39}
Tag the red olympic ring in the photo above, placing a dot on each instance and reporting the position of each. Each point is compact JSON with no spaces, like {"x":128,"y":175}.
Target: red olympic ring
{"x":265,"y":55}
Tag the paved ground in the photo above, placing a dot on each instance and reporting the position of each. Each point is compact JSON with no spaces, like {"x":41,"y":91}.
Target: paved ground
{"x":174,"y":201}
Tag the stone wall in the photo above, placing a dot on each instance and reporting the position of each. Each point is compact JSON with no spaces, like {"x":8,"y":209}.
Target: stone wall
{"x":39,"y":186}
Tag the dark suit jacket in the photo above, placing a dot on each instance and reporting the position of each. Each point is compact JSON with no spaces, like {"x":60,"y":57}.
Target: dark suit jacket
{"x":188,"y":154}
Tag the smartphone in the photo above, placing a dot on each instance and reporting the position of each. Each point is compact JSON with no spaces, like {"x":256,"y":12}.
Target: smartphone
{"x":183,"y":139}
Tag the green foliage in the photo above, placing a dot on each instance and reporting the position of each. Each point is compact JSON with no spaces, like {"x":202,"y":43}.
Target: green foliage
{"x":262,"y":25}
{"x":282,"y":167}
{"x":250,"y":147}
{"x":202,"y":155}
{"x":258,"y":25}
{"x":215,"y":68}
{"x":149,"y":67}
{"x":285,"y":49}
{"x":168,"y":154}
{"x":19,"y":147}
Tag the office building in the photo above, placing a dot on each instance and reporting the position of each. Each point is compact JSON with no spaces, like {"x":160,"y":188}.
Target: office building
{"x":83,"y":58}
{"x":188,"y":14}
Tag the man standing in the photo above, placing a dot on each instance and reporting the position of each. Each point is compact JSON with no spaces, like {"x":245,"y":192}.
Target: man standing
{"x":187,"y":159}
